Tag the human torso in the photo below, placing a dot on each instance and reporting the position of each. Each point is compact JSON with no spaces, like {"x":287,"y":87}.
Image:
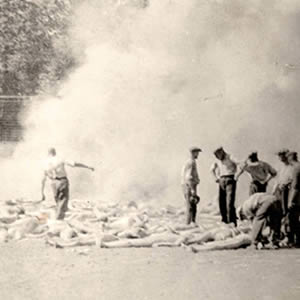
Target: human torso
{"x":190,"y":173}
{"x":55,"y":168}
{"x":226,"y":167}
{"x":259,"y":171}
{"x":285,"y":175}
{"x":251,"y":205}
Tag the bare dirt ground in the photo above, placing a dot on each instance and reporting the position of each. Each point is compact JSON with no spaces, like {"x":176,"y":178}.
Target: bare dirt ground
{"x":33,"y":270}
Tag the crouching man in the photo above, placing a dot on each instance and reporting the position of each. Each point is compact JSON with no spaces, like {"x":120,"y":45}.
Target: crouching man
{"x":190,"y":180}
{"x":264,"y":210}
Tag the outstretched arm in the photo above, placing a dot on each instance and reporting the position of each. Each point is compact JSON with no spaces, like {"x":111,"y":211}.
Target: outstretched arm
{"x":80,"y":165}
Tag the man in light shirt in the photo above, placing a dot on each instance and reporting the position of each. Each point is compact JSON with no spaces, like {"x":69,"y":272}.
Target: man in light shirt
{"x":224,"y":170}
{"x":284,"y":179}
{"x":190,"y":180}
{"x":260,"y":172}
{"x":263,"y":209}
{"x":55,"y":171}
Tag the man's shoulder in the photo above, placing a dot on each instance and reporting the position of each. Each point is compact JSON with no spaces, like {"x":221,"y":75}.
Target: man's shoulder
{"x":296,"y":170}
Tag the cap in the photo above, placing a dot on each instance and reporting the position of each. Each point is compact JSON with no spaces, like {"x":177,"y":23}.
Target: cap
{"x":292,"y":153}
{"x":283,"y":152}
{"x":195,"y":149}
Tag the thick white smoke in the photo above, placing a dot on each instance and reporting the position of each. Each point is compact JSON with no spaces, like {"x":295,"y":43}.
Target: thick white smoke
{"x":157,"y":80}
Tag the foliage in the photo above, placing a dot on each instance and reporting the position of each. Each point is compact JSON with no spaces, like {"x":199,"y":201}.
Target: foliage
{"x":34,"y":49}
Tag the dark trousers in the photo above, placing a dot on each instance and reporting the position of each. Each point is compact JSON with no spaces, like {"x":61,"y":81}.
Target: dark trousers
{"x":227,"y":188}
{"x":269,"y":213}
{"x":191,"y":208}
{"x":294,"y":225}
{"x":257,"y":187}
{"x":285,"y":198}
{"x":60,"y":189}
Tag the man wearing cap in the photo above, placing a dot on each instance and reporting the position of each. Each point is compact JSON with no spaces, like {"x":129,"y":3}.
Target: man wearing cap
{"x":294,"y":201}
{"x":190,"y":180}
{"x":263,"y":209}
{"x":260,"y":172}
{"x":55,"y":171}
{"x":224,"y":170}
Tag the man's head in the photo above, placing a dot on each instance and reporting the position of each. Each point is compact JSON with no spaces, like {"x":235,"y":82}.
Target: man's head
{"x":220,"y":153}
{"x":253,"y":157}
{"x":51,"y":151}
{"x":292,"y":157}
{"x":195,"y":152}
{"x":282,"y":155}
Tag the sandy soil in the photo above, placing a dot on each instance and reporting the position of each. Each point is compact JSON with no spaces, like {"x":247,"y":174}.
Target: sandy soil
{"x":32,"y":270}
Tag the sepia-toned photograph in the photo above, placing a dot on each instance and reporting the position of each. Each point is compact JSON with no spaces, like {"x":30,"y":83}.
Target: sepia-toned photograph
{"x":149,"y":149}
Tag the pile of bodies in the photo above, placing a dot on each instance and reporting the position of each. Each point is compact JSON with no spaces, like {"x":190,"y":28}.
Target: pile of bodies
{"x":119,"y":226}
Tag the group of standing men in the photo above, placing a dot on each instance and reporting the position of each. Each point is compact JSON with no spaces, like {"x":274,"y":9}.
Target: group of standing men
{"x":261,"y":208}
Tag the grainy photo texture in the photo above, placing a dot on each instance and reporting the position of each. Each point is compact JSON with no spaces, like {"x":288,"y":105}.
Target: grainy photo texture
{"x":149,"y":149}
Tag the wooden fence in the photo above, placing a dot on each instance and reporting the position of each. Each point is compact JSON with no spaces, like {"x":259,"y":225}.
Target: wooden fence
{"x":11,"y":108}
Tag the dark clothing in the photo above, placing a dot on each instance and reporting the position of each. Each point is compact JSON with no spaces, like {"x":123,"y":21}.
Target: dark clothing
{"x":294,"y":225}
{"x":257,"y":187}
{"x":294,"y":207}
{"x":60,"y":187}
{"x":285,"y":198}
{"x":227,"y":189}
{"x":268,"y":213}
{"x":191,"y":208}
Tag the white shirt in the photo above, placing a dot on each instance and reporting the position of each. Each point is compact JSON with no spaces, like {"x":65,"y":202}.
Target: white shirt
{"x":285,"y":175}
{"x":54,"y":167}
{"x":226,"y":167}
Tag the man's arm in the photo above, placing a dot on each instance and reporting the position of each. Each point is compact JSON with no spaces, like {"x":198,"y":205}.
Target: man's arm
{"x":44,"y":179}
{"x":241,"y":170}
{"x":295,"y":188}
{"x":74,"y":164}
{"x":271,"y":173}
{"x":80,"y":165}
{"x":213,"y":170}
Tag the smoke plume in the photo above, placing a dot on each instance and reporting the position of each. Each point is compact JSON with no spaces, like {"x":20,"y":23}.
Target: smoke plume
{"x":156,"y":80}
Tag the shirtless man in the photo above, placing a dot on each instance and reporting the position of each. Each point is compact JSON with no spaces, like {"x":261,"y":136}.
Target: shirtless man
{"x":54,"y":170}
{"x":190,"y":180}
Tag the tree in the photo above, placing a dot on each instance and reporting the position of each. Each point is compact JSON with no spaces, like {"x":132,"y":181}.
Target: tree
{"x":34,"y":48}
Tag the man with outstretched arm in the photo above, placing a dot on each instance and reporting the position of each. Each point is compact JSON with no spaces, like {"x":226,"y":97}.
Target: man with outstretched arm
{"x":190,"y":180}
{"x":55,"y":171}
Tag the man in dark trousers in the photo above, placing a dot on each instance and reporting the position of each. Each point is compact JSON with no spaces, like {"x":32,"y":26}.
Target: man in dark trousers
{"x":224,"y":170}
{"x":190,"y":180}
{"x":294,"y":201}
{"x":55,"y":171}
{"x":261,"y":173}
{"x":263,"y":209}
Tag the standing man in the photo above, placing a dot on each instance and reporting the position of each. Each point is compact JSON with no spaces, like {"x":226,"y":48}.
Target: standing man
{"x":263,"y":209}
{"x":190,"y":180}
{"x":294,"y":201}
{"x":284,"y":180}
{"x":54,"y":169}
{"x":260,"y":172}
{"x":224,"y":170}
